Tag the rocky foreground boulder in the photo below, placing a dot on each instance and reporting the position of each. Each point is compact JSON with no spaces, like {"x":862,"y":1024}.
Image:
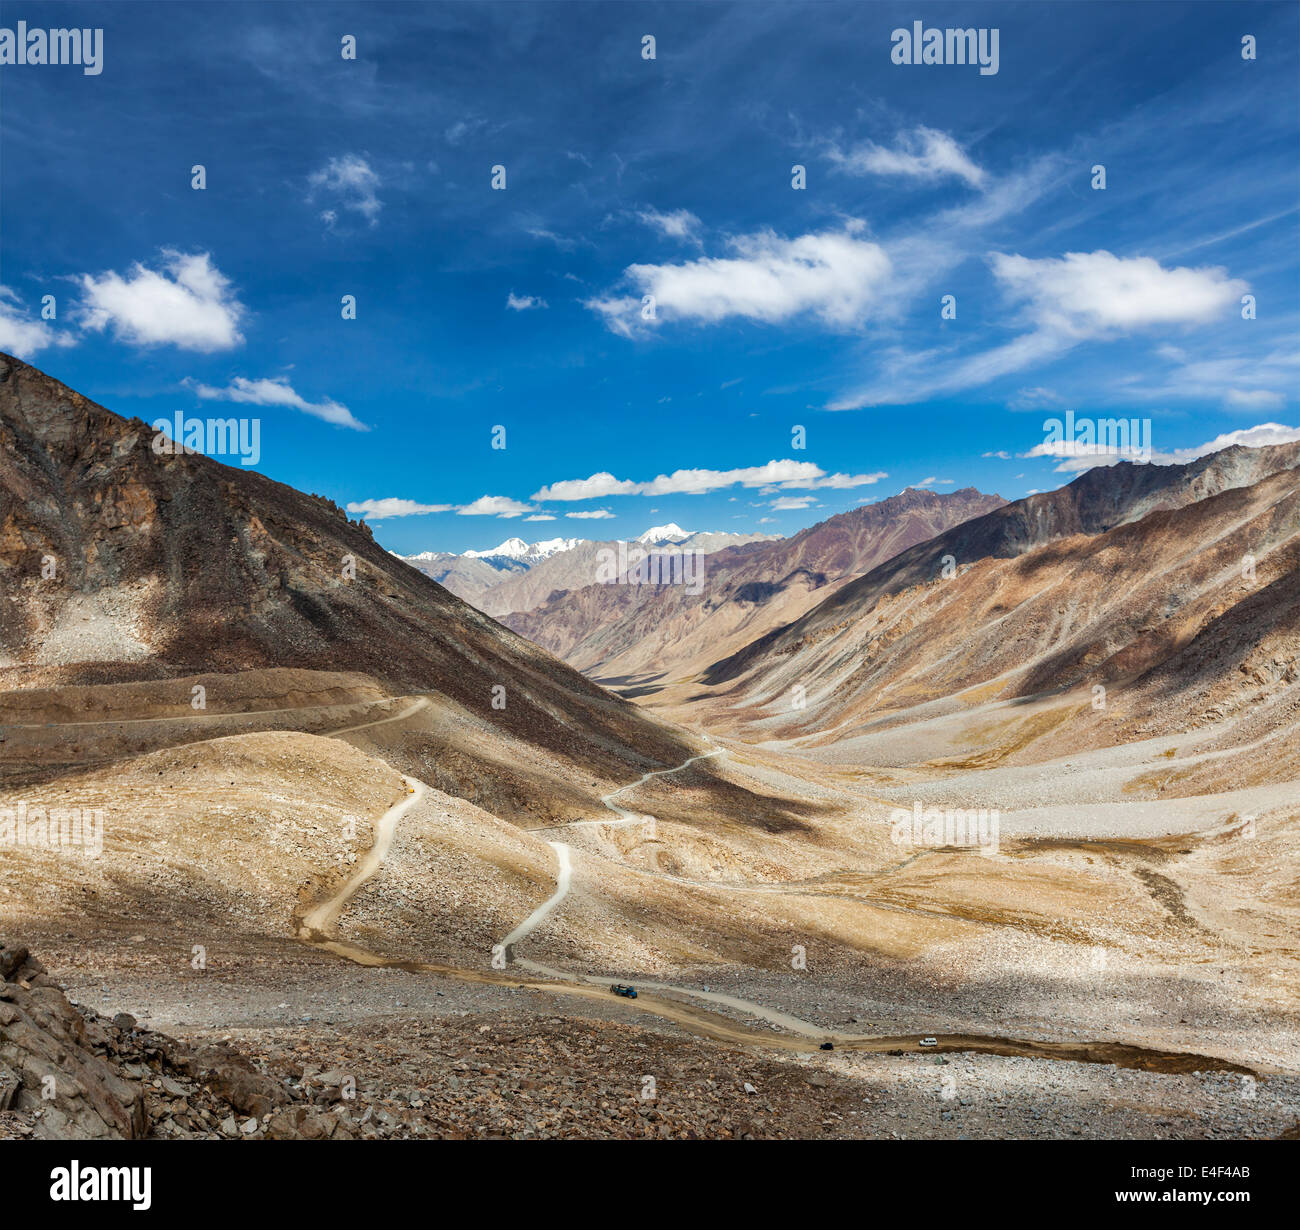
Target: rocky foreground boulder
{"x":67,"y":1073}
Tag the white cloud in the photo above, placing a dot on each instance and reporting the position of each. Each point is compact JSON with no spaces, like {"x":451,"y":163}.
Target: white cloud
{"x":784,"y":475}
{"x":563,"y":242}
{"x":1259,"y":436}
{"x":1030,"y":399}
{"x":697,"y":482}
{"x":484,"y":506}
{"x":1253,"y":399}
{"x":353,"y":181}
{"x":278,"y":392}
{"x":596,"y":487}
{"x":1081,"y":296}
{"x":522,"y":303}
{"x":392,"y":506}
{"x":595,"y":514}
{"x":788,"y":503}
{"x":678,"y":224}
{"x":21,"y":334}
{"x":1085,"y":293}
{"x":189,"y":305}
{"x":540,"y":517}
{"x":844,"y":481}
{"x":494,"y":506}
{"x":1001,"y":455}
{"x":833,"y":276}
{"x":923,"y":153}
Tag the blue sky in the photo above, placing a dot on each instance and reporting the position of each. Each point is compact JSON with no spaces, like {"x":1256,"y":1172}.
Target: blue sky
{"x":774,"y":307}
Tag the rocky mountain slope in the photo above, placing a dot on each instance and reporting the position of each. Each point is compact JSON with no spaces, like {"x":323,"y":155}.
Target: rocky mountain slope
{"x":614,"y":631}
{"x":1174,"y":589}
{"x":118,"y":563}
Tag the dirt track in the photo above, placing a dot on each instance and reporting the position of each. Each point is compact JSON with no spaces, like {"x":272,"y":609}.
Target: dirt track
{"x":317,"y":922}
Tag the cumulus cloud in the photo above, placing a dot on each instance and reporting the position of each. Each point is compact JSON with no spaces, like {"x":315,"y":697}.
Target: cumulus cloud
{"x":923,"y":153}
{"x":1071,"y":461}
{"x":494,"y":506}
{"x":276,"y":391}
{"x":787,"y":503}
{"x":595,"y":514}
{"x":1259,"y":436}
{"x":802,"y":475}
{"x":392,"y":506}
{"x":188,"y":304}
{"x":1086,"y":293}
{"x":484,"y":506}
{"x":834,"y":276}
{"x":522,"y":303}
{"x":23,"y":334}
{"x":596,"y":487}
{"x":352,"y":183}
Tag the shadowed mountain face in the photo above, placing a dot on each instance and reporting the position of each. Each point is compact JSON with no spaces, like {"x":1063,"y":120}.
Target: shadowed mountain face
{"x":1097,"y":501}
{"x":119,"y":563}
{"x":624,"y":630}
{"x":1176,"y":590}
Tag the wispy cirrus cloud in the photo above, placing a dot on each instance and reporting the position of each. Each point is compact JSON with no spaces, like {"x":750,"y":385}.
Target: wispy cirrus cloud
{"x":675,"y":224}
{"x":1082,"y":296}
{"x":1254,"y":400}
{"x":277,"y":391}
{"x":921,"y":153}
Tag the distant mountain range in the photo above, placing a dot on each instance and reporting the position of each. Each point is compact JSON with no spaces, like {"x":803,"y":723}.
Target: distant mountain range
{"x":519,"y":575}
{"x":623,"y":631}
{"x":1170,"y":592}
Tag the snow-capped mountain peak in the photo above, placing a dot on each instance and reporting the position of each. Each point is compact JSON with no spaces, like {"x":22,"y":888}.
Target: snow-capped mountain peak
{"x":665,"y":533}
{"x":513,"y":547}
{"x":517,"y":548}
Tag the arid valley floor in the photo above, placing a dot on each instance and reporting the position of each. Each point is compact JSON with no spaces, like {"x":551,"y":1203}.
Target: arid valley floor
{"x":372,"y":904}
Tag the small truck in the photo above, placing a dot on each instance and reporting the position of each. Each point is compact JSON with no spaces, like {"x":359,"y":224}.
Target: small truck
{"x":625,"y":991}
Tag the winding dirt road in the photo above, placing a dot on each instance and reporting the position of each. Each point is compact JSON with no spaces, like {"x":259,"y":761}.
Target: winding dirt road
{"x":563,"y":875}
{"x":316,"y":926}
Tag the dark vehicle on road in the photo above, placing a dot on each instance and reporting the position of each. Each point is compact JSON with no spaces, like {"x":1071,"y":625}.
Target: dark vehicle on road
{"x":625,"y":991}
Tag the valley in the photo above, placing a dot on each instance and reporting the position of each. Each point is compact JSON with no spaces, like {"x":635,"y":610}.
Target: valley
{"x":348,"y":863}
